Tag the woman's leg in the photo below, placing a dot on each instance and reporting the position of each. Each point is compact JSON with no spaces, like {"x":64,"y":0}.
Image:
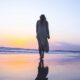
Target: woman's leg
{"x":41,"y":49}
{"x":43,"y":54}
{"x":40,"y":53}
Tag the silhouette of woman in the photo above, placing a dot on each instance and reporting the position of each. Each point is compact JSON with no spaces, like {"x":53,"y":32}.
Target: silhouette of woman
{"x":42,"y":71}
{"x":42,"y":32}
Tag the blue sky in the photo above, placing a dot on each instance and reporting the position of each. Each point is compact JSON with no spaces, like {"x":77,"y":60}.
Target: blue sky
{"x":18,"y":18}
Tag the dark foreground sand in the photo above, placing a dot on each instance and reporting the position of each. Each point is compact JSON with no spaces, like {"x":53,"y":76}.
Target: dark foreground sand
{"x":25,"y":66}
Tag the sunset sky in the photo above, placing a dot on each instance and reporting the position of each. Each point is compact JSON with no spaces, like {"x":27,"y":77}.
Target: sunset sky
{"x":18,"y":21}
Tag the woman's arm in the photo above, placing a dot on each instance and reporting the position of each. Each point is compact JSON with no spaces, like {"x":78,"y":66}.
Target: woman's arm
{"x":48,"y":36}
{"x":36,"y":27}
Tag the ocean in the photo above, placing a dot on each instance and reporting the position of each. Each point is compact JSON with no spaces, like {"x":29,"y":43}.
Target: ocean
{"x":61,"y":66}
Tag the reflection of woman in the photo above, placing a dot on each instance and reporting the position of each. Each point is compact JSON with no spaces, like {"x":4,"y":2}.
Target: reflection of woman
{"x":42,"y":35}
{"x":42,"y":71}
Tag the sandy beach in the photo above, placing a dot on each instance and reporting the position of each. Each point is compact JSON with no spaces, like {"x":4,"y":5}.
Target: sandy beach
{"x":25,"y":66}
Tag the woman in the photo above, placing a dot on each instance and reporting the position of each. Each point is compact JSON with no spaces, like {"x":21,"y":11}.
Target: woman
{"x":42,"y":32}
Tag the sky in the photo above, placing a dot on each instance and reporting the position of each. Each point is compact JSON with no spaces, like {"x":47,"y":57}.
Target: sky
{"x":18,"y":22}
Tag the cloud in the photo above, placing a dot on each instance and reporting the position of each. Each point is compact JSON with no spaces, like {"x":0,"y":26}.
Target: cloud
{"x":65,"y":46}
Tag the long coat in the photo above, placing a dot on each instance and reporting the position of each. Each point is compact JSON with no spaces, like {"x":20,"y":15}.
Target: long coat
{"x":42,"y":31}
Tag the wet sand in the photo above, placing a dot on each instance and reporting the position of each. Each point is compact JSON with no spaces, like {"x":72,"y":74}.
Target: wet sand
{"x":25,"y":66}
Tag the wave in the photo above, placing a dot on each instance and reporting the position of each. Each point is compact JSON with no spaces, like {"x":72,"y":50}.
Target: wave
{"x":23,"y":50}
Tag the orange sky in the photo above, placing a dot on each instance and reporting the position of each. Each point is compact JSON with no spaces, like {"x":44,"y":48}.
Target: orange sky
{"x":18,"y":22}
{"x":20,"y":42}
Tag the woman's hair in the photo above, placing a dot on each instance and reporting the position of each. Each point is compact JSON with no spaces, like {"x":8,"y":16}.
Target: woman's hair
{"x":42,"y":18}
